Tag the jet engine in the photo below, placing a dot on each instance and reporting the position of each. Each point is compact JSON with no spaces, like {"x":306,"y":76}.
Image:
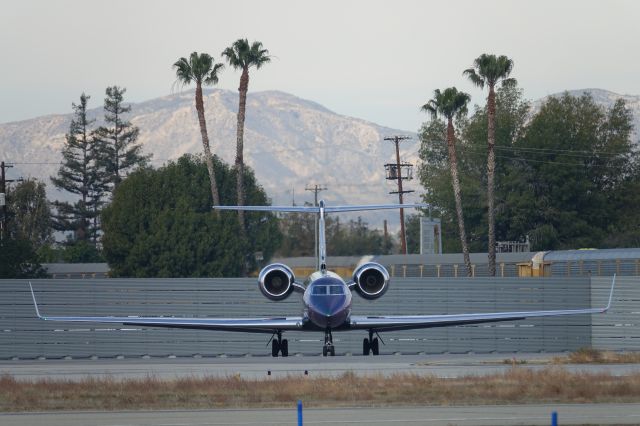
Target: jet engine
{"x":276,"y":281}
{"x":372,"y":280}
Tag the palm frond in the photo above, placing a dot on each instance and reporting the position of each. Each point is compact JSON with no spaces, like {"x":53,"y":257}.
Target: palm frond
{"x":448,"y":103}
{"x":241,"y":54}
{"x":430,"y":108}
{"x":199,"y":68}
{"x":183,"y":71}
{"x":470,"y":73}
{"x":212,"y":76}
{"x":489,"y":69}
{"x":237,"y":53}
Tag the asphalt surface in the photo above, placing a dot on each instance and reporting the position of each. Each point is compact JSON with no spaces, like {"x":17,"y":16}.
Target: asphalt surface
{"x":569,"y":414}
{"x":446,"y":366}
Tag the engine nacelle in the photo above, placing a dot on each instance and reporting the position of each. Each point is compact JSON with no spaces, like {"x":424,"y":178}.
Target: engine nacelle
{"x":276,"y":281}
{"x":372,"y":280}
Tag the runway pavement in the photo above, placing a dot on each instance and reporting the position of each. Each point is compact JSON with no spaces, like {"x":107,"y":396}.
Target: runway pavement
{"x":569,"y":414}
{"x":446,"y":366}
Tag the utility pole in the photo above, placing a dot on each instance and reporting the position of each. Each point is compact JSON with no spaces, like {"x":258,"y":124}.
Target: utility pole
{"x":399,"y":171}
{"x":315,"y":188}
{"x":3,"y":196}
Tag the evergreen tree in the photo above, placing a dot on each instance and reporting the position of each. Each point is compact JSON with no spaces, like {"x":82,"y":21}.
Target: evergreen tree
{"x":159,"y":223}
{"x":569,"y":175}
{"x":29,"y":230}
{"x":29,"y":213}
{"x":116,"y":141}
{"x":18,"y":259}
{"x":79,"y":175}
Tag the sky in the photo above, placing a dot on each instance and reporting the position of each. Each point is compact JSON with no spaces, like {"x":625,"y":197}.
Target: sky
{"x":376,"y":60}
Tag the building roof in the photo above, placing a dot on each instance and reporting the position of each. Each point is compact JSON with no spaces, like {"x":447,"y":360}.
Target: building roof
{"x":592,"y":254}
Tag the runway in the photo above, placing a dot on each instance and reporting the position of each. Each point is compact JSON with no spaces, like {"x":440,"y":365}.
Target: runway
{"x":445,"y":366}
{"x":568,"y":414}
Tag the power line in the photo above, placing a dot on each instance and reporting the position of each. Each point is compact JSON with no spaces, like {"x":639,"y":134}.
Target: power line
{"x":559,"y":163}
{"x":3,"y":196}
{"x":552,"y":150}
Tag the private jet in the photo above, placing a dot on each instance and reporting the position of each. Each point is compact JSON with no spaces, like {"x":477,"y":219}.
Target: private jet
{"x":326,"y":299}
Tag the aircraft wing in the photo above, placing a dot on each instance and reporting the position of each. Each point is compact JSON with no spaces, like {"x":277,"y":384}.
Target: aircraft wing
{"x":250,"y":325}
{"x":409,"y":322}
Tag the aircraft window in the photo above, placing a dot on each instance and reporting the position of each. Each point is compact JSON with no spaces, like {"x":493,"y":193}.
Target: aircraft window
{"x":319,"y":289}
{"x":336,"y":289}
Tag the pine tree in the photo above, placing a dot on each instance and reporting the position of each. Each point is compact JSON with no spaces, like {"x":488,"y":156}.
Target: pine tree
{"x":116,"y":141}
{"x":79,"y":174}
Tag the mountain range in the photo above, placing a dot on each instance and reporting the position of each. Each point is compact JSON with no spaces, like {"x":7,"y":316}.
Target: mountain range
{"x":290,"y":143}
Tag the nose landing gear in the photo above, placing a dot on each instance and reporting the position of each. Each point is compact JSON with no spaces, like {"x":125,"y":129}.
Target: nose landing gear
{"x":279,"y":345}
{"x":370,"y":345}
{"x":328,"y":347}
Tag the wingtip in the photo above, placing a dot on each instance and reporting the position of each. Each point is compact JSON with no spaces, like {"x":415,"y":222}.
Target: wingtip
{"x":35,"y":304}
{"x":613,"y":285}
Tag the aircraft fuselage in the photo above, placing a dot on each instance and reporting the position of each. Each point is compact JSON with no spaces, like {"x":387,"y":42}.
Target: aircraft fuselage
{"x":327,"y":301}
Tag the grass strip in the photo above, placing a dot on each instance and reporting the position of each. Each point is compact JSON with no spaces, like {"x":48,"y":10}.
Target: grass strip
{"x":517,"y":386}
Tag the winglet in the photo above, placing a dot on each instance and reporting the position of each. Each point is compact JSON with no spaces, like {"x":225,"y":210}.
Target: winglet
{"x":33,"y":296}
{"x":613,"y":284}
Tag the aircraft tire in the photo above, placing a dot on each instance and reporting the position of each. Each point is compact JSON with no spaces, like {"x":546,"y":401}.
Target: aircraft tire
{"x":324,"y":351}
{"x":332,"y":351}
{"x":275,"y":348}
{"x":375,"y":346}
{"x":284,"y":349}
{"x":366,"y":347}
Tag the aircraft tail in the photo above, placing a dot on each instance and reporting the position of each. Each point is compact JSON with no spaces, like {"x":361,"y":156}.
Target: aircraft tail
{"x":321,"y":209}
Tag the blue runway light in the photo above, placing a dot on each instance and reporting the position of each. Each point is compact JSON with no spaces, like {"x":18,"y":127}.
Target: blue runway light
{"x":299,"y":413}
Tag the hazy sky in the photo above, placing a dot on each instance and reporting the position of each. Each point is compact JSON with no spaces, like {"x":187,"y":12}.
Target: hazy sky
{"x":377,"y":60}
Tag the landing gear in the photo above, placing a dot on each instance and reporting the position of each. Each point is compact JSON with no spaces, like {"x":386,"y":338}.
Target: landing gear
{"x":279,"y":345}
{"x":370,"y":345}
{"x":328,"y":348}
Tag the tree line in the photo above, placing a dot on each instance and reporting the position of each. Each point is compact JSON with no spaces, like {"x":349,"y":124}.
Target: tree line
{"x":567,"y":176}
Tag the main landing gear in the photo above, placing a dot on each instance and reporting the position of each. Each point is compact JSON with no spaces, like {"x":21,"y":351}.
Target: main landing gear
{"x":370,"y":345}
{"x":328,"y":347}
{"x":279,"y":345}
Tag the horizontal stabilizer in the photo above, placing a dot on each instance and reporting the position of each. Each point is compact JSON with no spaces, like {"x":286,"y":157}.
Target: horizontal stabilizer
{"x":327,"y":209}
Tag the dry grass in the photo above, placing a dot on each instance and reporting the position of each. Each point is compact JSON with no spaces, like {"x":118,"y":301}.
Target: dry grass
{"x":595,"y":356}
{"x":518,"y":385}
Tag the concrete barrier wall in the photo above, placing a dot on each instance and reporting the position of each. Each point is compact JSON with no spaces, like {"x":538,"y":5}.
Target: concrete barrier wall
{"x":22,"y":335}
{"x":620,"y":328}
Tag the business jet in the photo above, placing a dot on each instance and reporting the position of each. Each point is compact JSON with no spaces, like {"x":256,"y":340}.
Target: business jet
{"x":326,"y":299}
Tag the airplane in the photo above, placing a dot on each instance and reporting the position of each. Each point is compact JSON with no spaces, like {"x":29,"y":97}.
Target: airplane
{"x":326,"y":299}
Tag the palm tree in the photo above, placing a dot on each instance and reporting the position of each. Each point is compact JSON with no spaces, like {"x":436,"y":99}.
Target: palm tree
{"x":201,"y":69}
{"x":242,"y":56}
{"x":489,"y":70}
{"x":450,"y":104}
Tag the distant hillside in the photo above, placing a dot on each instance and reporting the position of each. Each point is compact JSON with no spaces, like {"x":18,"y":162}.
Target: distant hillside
{"x":289,"y":142}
